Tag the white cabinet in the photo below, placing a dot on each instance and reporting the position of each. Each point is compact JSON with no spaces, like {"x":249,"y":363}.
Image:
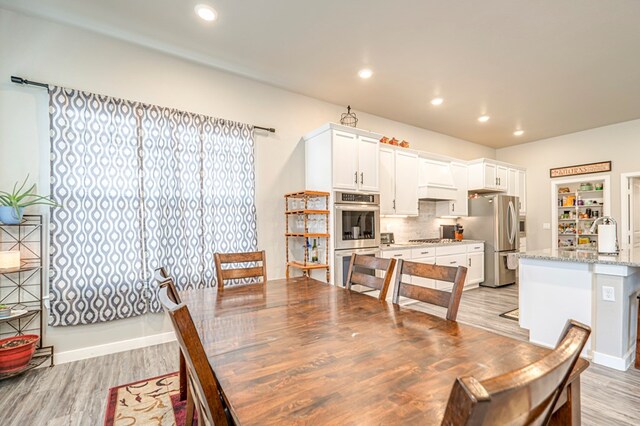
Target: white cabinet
{"x":342,"y":158}
{"x":368,"y":163}
{"x":345,"y":161}
{"x":387,"y":181}
{"x":459,"y":206}
{"x":453,"y":260}
{"x":502,"y":175}
{"x":522,"y":191}
{"x":475,"y":268}
{"x":512,"y":182}
{"x":484,"y":176}
{"x":399,"y":182}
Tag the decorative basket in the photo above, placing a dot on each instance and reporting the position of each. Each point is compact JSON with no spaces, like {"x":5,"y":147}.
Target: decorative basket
{"x":16,"y":352}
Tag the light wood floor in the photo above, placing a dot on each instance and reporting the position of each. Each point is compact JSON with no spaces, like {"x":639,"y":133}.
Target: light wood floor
{"x":75,"y":393}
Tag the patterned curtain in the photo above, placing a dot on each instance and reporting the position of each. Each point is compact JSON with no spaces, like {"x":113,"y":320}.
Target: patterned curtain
{"x":141,"y":186}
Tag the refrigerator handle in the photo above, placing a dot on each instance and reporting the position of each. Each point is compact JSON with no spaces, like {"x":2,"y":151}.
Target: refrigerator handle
{"x":512,"y":222}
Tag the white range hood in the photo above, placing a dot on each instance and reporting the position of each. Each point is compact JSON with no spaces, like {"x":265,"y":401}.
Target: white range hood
{"x":435,"y":180}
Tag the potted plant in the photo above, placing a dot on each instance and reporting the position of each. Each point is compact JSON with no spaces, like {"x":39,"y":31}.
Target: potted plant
{"x":5,"y":311}
{"x":12,"y":204}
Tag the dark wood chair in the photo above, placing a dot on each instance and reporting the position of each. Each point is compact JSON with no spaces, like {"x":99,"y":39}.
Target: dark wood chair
{"x":355,"y":277}
{"x":526,"y":396}
{"x":449,"y":300}
{"x":203,"y":384}
{"x":163,"y":279}
{"x":222,"y":274}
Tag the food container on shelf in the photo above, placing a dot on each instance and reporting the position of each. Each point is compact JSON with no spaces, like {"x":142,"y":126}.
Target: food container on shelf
{"x":599,"y":186}
{"x":586,"y":187}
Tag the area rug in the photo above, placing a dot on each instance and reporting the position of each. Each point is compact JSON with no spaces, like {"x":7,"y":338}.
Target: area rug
{"x":513,"y":314}
{"x":154,"y":401}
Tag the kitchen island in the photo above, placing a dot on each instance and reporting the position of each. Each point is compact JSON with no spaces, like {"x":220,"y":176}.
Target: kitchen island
{"x":597,"y":290}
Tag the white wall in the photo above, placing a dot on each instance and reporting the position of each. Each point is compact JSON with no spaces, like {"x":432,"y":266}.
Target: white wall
{"x":619,"y":143}
{"x":49,"y":52}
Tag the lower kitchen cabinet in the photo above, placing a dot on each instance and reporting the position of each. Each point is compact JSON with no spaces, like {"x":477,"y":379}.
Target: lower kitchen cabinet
{"x":453,"y":260}
{"x":475,"y":269}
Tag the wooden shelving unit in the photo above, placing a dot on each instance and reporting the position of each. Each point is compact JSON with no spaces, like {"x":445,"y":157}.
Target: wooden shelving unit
{"x":302,"y":205}
{"x":22,"y":288}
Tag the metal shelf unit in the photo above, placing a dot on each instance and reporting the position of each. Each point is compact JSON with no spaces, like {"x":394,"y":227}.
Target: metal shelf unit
{"x":22,"y":288}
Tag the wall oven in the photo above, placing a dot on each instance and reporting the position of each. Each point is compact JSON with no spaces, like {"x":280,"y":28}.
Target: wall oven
{"x":342,"y":260}
{"x":357,"y":220}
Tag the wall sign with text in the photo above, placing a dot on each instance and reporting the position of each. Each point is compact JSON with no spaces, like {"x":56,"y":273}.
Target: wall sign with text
{"x":583,"y":169}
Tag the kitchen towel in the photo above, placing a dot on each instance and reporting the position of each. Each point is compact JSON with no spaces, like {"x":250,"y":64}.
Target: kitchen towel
{"x":512,"y":261}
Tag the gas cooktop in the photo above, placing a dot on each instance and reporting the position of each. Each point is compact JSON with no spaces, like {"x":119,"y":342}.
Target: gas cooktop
{"x":435,"y":240}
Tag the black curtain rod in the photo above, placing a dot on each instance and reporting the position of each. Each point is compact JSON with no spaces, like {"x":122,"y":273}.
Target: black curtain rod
{"x":20,"y":80}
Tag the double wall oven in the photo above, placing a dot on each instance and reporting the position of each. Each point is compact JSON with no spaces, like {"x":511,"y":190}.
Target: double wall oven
{"x":357,"y":229}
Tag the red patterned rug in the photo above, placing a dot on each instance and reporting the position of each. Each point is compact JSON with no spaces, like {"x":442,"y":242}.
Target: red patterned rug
{"x":154,"y":401}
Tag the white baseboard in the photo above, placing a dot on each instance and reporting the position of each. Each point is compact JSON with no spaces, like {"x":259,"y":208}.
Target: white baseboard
{"x":617,"y":363}
{"x":112,"y":348}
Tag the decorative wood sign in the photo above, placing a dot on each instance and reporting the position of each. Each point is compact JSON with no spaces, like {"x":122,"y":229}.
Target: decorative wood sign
{"x":583,"y":169}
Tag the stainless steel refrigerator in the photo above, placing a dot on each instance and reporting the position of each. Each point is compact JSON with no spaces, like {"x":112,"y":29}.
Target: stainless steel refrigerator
{"x":494,"y":219}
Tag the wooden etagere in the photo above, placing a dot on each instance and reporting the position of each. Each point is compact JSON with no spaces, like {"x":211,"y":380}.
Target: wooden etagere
{"x":22,"y":288}
{"x":303,"y":205}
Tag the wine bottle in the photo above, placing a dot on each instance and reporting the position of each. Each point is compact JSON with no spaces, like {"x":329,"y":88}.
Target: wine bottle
{"x":314,"y":251}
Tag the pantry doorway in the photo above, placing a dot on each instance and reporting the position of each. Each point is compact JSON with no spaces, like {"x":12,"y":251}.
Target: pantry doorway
{"x":630,"y":208}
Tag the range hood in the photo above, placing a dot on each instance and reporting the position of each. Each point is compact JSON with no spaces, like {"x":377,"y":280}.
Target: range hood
{"x":435,"y":181}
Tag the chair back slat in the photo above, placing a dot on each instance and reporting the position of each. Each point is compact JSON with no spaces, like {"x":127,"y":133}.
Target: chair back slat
{"x":449,"y":300}
{"x":202,"y":378}
{"x":424,"y":294}
{"x":526,"y":396}
{"x":223,"y":274}
{"x":359,"y":263}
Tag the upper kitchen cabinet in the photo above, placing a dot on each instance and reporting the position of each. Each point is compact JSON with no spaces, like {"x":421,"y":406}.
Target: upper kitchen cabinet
{"x":485,"y":176}
{"x":493,"y":176}
{"x":343,"y":158}
{"x":398,"y":181}
{"x":459,"y":206}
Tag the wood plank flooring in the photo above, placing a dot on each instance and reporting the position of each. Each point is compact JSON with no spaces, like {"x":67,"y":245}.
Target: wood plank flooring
{"x":76,"y":393}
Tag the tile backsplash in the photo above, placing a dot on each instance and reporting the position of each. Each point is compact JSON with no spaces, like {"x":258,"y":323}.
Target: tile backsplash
{"x":425,"y":225}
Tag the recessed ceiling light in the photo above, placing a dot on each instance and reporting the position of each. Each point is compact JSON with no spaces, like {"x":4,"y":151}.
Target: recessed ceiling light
{"x":365,"y":73}
{"x":437,"y":101}
{"x":518,"y":133}
{"x":206,"y":12}
{"x":483,"y":118}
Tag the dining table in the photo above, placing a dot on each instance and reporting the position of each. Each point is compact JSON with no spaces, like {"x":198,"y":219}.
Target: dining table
{"x":300,"y":351}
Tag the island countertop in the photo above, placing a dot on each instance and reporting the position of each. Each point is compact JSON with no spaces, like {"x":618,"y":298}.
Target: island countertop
{"x":624,"y":258}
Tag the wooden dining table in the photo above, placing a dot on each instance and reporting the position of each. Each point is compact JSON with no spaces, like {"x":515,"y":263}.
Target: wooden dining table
{"x":299,"y":351}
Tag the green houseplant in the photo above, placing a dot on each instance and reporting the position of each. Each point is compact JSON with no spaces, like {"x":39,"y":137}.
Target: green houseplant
{"x":12,"y":204}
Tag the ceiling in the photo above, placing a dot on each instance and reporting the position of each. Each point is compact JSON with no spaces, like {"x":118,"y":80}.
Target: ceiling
{"x":548,"y":67}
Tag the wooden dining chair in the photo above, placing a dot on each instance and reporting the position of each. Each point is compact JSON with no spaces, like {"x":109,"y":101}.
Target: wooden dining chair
{"x":203,"y":384}
{"x":446,"y":299}
{"x":163,"y":279}
{"x":371,"y":264}
{"x":526,"y":396}
{"x":221,"y":259}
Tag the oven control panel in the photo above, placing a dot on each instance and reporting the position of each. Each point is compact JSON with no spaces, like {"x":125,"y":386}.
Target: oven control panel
{"x":350,"y":197}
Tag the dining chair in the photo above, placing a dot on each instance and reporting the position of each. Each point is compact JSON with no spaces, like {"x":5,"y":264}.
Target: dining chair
{"x":221,"y":259}
{"x":526,"y":396}
{"x":355,"y":276}
{"x":203,"y":384}
{"x":446,"y":299}
{"x":163,"y":279}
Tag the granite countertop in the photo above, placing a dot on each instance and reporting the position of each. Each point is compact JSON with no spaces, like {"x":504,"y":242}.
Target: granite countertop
{"x":624,"y":258}
{"x":399,"y":246}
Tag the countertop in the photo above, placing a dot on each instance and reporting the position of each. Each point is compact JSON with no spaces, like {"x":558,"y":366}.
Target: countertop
{"x":624,"y":258}
{"x":400,"y":246}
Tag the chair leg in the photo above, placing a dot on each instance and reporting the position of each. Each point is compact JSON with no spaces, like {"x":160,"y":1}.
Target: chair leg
{"x":183,"y":378}
{"x":188,"y":420}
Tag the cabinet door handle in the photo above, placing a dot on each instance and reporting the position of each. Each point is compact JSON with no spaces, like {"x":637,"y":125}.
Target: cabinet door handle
{"x":397,"y":255}
{"x":362,"y":178}
{"x":453,"y":207}
{"x":394,"y":204}
{"x":453,"y":262}
{"x":469,"y":262}
{"x":356,"y":176}
{"x":424,"y":252}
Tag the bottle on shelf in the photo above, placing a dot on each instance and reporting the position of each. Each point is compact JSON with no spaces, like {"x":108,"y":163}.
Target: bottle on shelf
{"x":314,"y":251}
